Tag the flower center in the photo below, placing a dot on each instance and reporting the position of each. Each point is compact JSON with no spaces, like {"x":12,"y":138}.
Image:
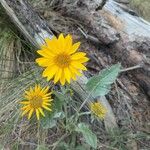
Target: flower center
{"x":62,"y":60}
{"x":36,"y":102}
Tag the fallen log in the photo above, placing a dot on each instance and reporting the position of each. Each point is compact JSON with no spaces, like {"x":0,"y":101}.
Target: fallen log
{"x":118,"y":30}
{"x":35,"y":29}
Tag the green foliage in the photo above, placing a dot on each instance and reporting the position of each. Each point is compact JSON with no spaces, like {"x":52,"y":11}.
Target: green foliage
{"x":51,"y":118}
{"x":99,"y":85}
{"x":89,"y":136}
{"x":118,"y":138}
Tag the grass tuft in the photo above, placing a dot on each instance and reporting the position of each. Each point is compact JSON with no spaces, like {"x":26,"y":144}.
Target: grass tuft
{"x":142,"y":7}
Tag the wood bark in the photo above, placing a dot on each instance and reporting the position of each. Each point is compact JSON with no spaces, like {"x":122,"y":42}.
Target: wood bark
{"x":35,"y":29}
{"x":118,"y":30}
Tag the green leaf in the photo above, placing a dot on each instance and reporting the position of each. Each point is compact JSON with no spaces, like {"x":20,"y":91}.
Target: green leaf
{"x":59,"y":100}
{"x":48,"y":121}
{"x":63,"y":146}
{"x":89,"y":136}
{"x":100,"y":85}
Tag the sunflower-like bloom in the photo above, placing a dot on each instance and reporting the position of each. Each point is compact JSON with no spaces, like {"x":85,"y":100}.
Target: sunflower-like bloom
{"x":61,"y":60}
{"x":98,"y":110}
{"x":35,"y":100}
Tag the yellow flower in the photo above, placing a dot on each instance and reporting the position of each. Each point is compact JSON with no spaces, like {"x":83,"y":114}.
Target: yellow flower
{"x":61,"y":59}
{"x":98,"y":109}
{"x":36,"y":99}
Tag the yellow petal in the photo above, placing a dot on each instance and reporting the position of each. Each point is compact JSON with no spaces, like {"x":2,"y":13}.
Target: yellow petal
{"x":44,"y":62}
{"x":48,"y":94}
{"x":27,"y":92}
{"x":73,"y":75}
{"x":41,"y":111}
{"x":78,"y":65}
{"x":67,"y":74}
{"x":25,"y":111}
{"x":52,"y":45}
{"x":37,"y":114}
{"x":62,"y":79}
{"x":47,"y":108}
{"x":58,"y":75}
{"x":25,"y":107}
{"x":49,"y":72}
{"x":78,"y":55}
{"x":74,"y":48}
{"x":68,"y":42}
{"x":30,"y":113}
{"x":75,"y":71}
{"x":24,"y":102}
{"x":49,"y":41}
{"x":45,"y":90}
{"x":36,"y":88}
{"x":83,"y":60}
{"x":49,"y":100}
{"x":45,"y":98}
{"x":48,"y":104}
{"x":31,"y":90}
{"x":61,"y":41}
{"x":46,"y":53}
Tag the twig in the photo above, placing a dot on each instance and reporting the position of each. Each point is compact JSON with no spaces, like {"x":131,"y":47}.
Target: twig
{"x":89,"y":37}
{"x":131,"y":68}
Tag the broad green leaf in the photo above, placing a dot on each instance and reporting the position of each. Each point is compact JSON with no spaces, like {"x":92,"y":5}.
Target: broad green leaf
{"x":48,"y":121}
{"x":89,"y":136}
{"x":63,"y":146}
{"x":100,"y":85}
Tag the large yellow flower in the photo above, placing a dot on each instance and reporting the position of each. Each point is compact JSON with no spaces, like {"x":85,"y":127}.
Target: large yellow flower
{"x":61,"y":59}
{"x":36,"y":99}
{"x":98,"y":109}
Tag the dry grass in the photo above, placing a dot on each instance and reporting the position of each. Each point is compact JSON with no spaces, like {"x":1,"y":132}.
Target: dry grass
{"x":142,"y":7}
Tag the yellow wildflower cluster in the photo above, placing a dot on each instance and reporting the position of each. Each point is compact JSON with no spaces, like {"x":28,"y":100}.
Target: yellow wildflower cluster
{"x":62,"y":63}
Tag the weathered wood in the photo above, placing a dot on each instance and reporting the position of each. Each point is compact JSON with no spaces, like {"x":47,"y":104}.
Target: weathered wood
{"x":118,"y":29}
{"x":86,"y":12}
{"x":33,"y":27}
{"x":35,"y":30}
